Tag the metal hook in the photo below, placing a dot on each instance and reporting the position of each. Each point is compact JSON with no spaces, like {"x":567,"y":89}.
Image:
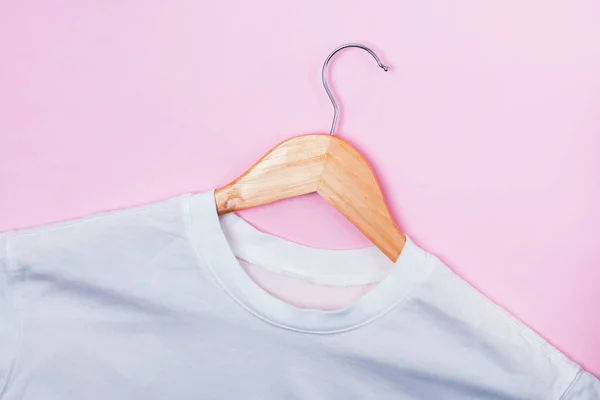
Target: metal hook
{"x":324,"y":77}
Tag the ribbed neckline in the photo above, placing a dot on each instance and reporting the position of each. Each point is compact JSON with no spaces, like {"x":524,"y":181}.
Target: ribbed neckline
{"x":220,"y":241}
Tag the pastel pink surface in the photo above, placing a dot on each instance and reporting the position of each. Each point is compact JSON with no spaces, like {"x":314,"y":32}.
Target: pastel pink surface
{"x":485,"y":133}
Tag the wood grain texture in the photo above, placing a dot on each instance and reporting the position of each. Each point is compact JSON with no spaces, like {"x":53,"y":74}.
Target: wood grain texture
{"x":326,"y":165}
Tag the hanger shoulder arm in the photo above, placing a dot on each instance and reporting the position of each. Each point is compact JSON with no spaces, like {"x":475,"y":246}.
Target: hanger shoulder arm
{"x":349,"y":184}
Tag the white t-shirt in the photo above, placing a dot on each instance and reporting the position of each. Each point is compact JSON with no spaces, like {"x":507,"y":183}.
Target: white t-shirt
{"x":152,"y":303}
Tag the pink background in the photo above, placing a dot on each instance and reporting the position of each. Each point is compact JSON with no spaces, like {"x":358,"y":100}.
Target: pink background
{"x":485,"y":133}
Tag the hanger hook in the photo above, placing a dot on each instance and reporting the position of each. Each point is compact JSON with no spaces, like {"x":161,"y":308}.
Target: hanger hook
{"x":326,"y":85}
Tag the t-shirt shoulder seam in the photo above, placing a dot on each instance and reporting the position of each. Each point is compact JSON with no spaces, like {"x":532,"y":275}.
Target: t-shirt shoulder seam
{"x":571,"y":385}
{"x":54,"y":226}
{"x":530,"y":336}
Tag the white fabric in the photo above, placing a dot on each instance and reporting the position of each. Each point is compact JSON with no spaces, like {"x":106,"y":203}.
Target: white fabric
{"x":152,"y":303}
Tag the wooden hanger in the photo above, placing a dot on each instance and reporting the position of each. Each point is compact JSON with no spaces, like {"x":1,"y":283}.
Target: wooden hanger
{"x":323,"y":164}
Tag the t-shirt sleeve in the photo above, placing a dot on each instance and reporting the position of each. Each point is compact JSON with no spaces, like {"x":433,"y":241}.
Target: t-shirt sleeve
{"x":584,"y":387}
{"x":8,"y":321}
